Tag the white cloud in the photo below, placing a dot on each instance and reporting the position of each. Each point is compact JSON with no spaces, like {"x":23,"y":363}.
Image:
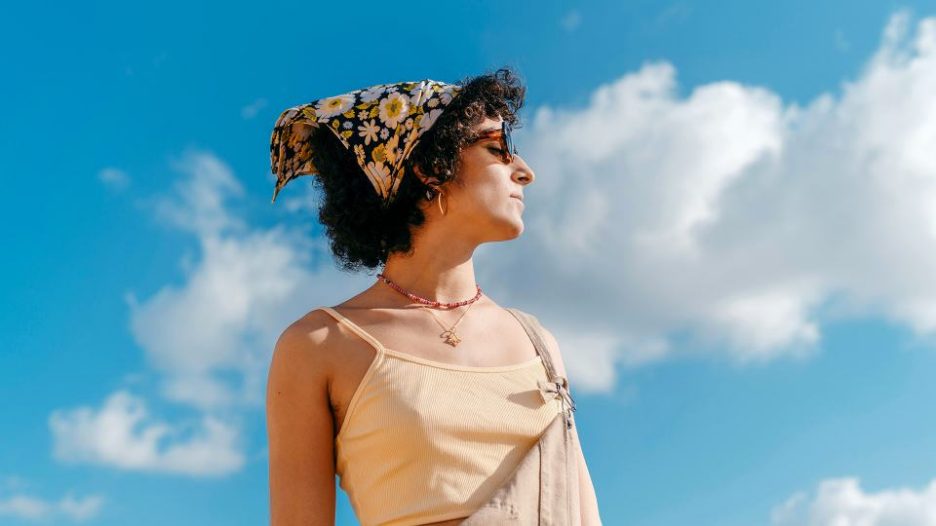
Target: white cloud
{"x":114,"y":178}
{"x":842,"y":502}
{"x":24,"y":507}
{"x":727,"y":215}
{"x":212,"y":335}
{"x":121,"y":434}
{"x":29,"y":507}
{"x":198,"y":204}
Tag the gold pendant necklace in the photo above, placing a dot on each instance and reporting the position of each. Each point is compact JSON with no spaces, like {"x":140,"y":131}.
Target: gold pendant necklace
{"x":449,"y":334}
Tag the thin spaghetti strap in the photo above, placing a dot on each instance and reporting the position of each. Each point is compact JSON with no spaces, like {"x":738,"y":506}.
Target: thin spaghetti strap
{"x":530,"y":325}
{"x":354,"y":328}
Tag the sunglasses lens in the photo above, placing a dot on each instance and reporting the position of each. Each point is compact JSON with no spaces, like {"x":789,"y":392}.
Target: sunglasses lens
{"x":509,"y":149}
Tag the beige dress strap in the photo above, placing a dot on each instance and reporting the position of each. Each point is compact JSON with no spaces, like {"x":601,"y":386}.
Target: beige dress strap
{"x":354,"y":327}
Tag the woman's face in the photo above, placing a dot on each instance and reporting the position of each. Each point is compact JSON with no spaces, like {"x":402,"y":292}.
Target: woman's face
{"x":485,"y":199}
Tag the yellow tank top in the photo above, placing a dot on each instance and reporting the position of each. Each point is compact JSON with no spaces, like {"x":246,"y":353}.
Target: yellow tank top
{"x":425,"y":441}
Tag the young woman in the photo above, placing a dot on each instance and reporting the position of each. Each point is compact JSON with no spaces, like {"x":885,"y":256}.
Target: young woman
{"x":420,"y":392}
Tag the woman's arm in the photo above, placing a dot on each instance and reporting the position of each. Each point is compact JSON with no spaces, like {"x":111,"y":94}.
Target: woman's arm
{"x":300,"y":430}
{"x":588,"y":499}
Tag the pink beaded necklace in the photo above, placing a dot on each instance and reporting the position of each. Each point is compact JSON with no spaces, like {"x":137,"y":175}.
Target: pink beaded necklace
{"x":426,"y":301}
{"x":448,"y":334}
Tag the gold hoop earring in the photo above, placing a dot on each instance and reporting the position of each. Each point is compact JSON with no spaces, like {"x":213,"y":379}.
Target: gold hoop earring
{"x":440,"y":203}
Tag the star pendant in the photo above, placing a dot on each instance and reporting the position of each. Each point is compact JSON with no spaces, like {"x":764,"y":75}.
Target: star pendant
{"x":451,"y":338}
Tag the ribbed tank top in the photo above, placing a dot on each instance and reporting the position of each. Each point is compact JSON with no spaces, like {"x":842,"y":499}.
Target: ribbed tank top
{"x":425,"y":441}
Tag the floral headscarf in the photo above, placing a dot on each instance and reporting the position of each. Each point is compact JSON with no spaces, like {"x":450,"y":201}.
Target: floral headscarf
{"x":381,"y":125}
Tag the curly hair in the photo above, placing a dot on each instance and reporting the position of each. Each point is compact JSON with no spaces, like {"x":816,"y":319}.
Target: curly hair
{"x":362,"y":232}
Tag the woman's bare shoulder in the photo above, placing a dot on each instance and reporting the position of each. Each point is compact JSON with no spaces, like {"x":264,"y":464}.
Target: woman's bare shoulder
{"x":310,"y":330}
{"x":552,"y":344}
{"x":303,"y":348}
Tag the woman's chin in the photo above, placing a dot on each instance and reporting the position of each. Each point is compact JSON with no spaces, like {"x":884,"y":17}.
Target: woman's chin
{"x":514,"y":230}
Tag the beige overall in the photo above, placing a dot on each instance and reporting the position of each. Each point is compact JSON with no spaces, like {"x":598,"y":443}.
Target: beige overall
{"x":543,"y":490}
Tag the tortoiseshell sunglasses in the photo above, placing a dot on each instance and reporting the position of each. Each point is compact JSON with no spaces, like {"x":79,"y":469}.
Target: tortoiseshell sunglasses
{"x":508,"y":150}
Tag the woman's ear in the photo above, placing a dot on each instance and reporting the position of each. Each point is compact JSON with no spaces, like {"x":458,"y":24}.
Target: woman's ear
{"x":429,"y":181}
{"x":419,"y":173}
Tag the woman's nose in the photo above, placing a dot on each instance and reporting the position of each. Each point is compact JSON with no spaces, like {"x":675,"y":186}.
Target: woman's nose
{"x":525,"y":174}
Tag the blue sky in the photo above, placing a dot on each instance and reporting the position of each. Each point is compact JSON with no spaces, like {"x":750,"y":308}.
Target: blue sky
{"x":731,"y":235}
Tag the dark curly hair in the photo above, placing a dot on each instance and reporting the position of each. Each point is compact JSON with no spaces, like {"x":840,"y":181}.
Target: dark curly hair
{"x":362,"y":232}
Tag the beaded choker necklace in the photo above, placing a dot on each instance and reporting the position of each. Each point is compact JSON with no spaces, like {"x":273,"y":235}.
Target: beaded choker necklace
{"x":448,"y":333}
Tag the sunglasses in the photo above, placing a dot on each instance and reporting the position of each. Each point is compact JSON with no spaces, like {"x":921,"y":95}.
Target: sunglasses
{"x":508,"y":150}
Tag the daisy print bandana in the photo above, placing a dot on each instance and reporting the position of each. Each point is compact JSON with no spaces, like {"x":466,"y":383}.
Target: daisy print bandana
{"x":380,"y":125}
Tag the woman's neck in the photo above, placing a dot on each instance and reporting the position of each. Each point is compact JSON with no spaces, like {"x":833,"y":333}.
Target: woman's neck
{"x":443,"y":276}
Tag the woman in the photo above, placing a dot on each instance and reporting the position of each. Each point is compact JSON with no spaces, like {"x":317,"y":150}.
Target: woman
{"x":419,"y":392}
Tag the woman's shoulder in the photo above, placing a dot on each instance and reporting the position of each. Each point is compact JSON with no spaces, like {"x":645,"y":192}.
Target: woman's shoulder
{"x":552,"y":344}
{"x":309,"y":329}
{"x":304,"y":345}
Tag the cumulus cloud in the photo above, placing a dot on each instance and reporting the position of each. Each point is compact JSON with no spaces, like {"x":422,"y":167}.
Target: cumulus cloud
{"x":728,"y":216}
{"x":842,"y":502}
{"x":211,"y":336}
{"x":121,"y":434}
{"x":27,"y":507}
